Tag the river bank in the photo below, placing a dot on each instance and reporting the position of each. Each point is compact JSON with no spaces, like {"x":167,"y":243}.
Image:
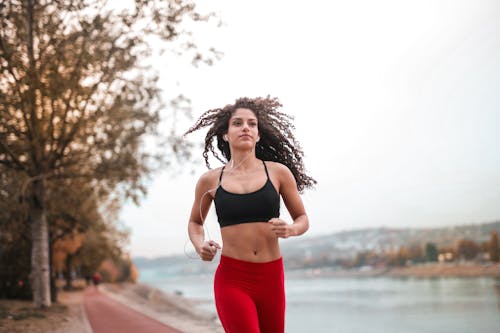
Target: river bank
{"x":426,"y":270}
{"x":433,"y":270}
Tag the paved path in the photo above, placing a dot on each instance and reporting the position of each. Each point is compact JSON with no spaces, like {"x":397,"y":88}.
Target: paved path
{"x":105,"y":315}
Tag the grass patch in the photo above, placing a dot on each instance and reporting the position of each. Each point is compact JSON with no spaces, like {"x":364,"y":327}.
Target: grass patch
{"x":56,"y":308}
{"x":17,"y":312}
{"x":25,"y":309}
{"x":28,"y":314}
{"x":21,"y":316}
{"x":4,"y":312}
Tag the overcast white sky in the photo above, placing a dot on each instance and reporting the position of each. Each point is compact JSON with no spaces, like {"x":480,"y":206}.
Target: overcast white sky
{"x":396,"y":104}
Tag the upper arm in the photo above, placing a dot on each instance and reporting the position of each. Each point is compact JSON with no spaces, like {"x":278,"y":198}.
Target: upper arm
{"x":289,"y":192}
{"x":202,"y":198}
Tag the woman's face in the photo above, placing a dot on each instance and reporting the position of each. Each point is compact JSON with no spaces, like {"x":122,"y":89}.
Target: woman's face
{"x":243,"y":129}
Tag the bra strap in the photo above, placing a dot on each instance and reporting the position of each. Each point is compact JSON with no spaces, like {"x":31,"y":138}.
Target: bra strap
{"x":265,"y":167}
{"x":221,"y":171}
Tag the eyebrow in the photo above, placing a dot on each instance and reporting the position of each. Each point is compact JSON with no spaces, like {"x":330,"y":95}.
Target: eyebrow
{"x":239,"y":118}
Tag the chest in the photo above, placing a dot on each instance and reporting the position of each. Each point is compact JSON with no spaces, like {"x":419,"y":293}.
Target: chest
{"x":241,"y":184}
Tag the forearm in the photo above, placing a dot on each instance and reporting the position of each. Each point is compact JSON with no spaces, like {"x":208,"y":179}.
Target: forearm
{"x":300,"y":225}
{"x":196,"y":235}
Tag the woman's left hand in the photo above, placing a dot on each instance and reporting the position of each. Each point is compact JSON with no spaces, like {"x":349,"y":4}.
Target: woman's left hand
{"x":281,"y":228}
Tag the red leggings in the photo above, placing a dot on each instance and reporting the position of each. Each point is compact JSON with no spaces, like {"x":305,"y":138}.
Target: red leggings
{"x":250,"y":297}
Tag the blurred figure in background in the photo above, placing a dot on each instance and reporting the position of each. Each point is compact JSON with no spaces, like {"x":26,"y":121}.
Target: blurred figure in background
{"x":96,"y":279}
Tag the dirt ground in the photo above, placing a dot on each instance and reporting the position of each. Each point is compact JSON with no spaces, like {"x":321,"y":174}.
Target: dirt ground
{"x":65,"y":316}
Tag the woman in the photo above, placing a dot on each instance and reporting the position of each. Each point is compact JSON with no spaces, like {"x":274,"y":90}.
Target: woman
{"x":264,"y":161}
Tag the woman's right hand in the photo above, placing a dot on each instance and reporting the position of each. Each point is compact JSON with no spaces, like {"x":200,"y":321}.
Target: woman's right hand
{"x":208,"y":250}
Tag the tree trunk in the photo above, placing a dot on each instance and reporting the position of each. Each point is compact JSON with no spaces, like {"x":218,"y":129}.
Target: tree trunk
{"x":53,"y":277}
{"x":67,"y":273}
{"x":40,"y":279}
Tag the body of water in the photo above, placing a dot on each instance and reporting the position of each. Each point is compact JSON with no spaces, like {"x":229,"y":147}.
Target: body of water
{"x":375,"y":304}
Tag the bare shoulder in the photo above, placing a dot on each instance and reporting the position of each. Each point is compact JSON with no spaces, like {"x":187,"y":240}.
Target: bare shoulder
{"x":278,"y":169}
{"x":209,"y":177}
{"x":282,"y":174}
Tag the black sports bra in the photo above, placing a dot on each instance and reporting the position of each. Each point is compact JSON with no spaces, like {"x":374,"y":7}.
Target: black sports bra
{"x":257,"y":206}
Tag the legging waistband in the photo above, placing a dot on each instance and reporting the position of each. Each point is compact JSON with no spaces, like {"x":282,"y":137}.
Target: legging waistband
{"x":226,"y":261}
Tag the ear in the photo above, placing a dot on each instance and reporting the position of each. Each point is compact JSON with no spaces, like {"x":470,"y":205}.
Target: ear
{"x":224,"y":137}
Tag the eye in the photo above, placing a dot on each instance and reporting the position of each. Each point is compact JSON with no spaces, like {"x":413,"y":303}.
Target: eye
{"x":237,"y":122}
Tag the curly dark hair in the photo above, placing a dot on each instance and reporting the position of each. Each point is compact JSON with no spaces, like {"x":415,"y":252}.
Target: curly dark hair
{"x":277,"y":142}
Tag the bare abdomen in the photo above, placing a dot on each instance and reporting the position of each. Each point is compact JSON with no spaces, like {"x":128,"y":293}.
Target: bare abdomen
{"x":254,"y":242}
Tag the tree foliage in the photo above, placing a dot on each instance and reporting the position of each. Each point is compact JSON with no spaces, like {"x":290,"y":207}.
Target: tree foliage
{"x":467,"y":249}
{"x":15,"y":239}
{"x":77,"y":215}
{"x":77,"y":99}
{"x":431,"y":252}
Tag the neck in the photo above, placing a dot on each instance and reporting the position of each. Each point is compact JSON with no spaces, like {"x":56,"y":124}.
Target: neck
{"x":242,"y":160}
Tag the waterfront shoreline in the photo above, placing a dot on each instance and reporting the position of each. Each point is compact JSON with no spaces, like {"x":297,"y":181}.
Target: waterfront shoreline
{"x":433,"y":270}
{"x":426,"y":270}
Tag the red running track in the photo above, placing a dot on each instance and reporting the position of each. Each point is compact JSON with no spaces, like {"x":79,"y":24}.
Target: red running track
{"x":106,"y":315}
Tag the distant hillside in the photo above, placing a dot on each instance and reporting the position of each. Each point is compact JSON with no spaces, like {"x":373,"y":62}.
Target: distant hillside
{"x":343,"y":244}
{"x":348,"y":243}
